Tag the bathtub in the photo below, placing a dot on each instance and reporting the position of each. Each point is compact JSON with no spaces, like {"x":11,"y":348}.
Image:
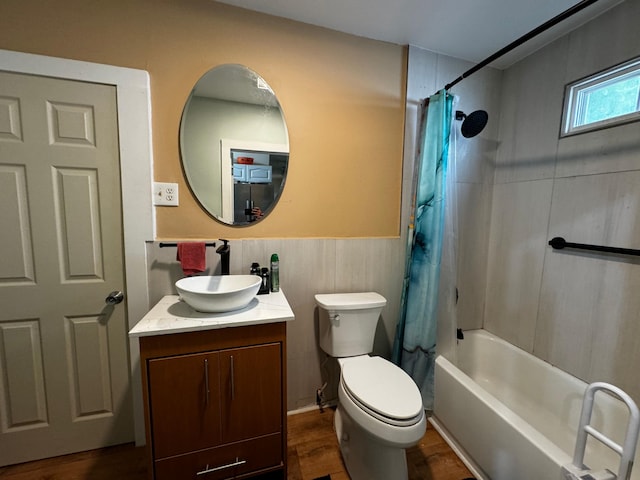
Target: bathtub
{"x":510,"y":415}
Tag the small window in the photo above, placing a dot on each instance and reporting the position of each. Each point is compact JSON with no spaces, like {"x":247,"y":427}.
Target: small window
{"x":608,"y":98}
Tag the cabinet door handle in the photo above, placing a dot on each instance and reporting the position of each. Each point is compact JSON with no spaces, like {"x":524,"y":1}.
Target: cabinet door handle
{"x":206,"y":381}
{"x":233,"y":386}
{"x":222,"y":467}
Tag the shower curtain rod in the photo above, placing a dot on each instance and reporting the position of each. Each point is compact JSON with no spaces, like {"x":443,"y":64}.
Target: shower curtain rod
{"x":526,"y":37}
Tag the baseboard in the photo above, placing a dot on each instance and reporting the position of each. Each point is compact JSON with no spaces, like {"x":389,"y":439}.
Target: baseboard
{"x":310,"y":408}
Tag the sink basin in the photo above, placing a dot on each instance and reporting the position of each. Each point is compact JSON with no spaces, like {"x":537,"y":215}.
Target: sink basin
{"x":220,"y":293}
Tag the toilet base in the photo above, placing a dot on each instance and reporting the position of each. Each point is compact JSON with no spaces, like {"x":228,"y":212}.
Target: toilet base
{"x":364,"y":457}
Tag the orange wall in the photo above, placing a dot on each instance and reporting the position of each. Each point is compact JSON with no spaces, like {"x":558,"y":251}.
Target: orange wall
{"x":343,"y":99}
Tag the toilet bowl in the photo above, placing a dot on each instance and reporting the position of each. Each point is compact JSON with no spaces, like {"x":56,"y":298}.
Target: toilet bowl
{"x":380,"y":411}
{"x":383,"y":399}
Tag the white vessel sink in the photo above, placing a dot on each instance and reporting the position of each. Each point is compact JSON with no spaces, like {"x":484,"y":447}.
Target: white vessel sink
{"x":220,"y":293}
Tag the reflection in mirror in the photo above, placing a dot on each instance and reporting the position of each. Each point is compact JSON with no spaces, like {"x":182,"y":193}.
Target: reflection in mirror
{"x":234,"y":145}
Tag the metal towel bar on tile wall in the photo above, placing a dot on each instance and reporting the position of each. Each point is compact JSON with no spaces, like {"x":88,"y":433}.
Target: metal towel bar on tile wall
{"x":560,"y":243}
{"x":175,"y":244}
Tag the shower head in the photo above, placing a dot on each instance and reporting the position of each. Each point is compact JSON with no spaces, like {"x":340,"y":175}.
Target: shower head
{"x":473,"y":123}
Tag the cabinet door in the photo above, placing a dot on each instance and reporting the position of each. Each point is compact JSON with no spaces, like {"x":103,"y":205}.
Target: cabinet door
{"x":251,"y":391}
{"x":259,"y":174}
{"x":184,"y":394}
{"x":239,"y":172}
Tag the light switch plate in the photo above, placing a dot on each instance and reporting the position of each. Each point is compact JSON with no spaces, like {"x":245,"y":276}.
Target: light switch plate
{"x":165,"y":194}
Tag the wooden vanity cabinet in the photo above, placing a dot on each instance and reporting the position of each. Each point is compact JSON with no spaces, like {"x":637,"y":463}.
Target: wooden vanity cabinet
{"x":215,"y":403}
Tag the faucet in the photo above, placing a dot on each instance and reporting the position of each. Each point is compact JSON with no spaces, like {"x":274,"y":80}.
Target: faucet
{"x":225,"y":252}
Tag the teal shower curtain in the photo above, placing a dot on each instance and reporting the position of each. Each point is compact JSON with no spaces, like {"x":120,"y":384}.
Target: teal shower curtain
{"x":415,"y":342}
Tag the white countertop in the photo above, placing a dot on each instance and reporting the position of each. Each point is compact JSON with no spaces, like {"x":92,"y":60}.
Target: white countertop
{"x":172,"y":315}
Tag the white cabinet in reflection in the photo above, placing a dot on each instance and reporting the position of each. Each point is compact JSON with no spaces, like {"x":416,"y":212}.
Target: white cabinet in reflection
{"x":252,"y":173}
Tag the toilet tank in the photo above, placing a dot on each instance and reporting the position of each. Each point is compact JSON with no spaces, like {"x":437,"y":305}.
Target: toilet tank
{"x":347,"y":322}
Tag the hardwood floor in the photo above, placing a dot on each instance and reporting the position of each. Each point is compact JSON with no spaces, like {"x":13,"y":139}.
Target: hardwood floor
{"x":124,"y":462}
{"x":312,"y":453}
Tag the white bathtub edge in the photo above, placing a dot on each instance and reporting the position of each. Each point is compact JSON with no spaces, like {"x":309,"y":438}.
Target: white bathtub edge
{"x":548,"y":448}
{"x":458,"y":450}
{"x":511,"y":432}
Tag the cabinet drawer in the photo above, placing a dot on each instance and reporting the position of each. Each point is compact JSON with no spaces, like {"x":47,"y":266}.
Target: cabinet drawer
{"x":223,"y":462}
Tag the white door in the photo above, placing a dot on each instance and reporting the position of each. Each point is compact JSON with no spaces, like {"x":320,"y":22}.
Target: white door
{"x":64,"y":375}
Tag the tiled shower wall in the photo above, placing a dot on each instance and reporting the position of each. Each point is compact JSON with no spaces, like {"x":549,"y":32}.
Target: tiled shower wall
{"x":579,"y":311}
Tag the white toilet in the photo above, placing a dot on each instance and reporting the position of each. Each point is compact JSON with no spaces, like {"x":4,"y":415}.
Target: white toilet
{"x":380,"y":411}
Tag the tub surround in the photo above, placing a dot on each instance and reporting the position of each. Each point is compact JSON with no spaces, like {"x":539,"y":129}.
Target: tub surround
{"x":214,"y":388}
{"x":172,"y":315}
{"x":578,"y":312}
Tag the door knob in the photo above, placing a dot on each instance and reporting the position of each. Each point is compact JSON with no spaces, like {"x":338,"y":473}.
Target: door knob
{"x":114,"y":298}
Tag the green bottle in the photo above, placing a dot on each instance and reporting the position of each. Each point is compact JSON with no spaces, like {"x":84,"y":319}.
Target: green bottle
{"x":275,"y":273}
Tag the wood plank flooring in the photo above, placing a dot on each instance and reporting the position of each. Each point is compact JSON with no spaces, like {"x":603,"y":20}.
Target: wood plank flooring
{"x":124,"y":462}
{"x":312,"y":453}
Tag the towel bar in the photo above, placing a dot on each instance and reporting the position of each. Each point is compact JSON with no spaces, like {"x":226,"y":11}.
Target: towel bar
{"x":175,"y":244}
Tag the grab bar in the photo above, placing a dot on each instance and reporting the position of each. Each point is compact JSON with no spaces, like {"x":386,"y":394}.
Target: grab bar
{"x":577,"y":468}
{"x":559,"y":243}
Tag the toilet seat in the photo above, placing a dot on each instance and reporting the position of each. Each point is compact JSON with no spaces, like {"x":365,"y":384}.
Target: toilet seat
{"x":383,"y":390}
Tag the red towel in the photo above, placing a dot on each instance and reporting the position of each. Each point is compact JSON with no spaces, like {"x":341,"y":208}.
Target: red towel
{"x":192,"y":257}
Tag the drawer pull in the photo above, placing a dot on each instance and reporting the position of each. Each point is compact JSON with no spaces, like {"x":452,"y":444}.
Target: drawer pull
{"x":215,"y":469}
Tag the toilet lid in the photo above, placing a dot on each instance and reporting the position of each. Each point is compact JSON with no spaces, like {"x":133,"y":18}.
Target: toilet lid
{"x":382,"y":388}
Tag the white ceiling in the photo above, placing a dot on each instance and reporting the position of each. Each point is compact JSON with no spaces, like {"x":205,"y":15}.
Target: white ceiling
{"x":466,"y":29}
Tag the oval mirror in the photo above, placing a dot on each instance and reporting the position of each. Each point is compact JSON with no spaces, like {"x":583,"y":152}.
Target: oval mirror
{"x":234,"y":145}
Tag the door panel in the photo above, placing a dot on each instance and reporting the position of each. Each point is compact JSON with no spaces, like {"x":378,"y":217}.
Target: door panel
{"x":22,"y":361}
{"x":87,"y":343}
{"x":10,"y":129}
{"x":64,"y":376}
{"x":78,"y":224}
{"x":70,"y":124}
{"x":15,"y":234}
